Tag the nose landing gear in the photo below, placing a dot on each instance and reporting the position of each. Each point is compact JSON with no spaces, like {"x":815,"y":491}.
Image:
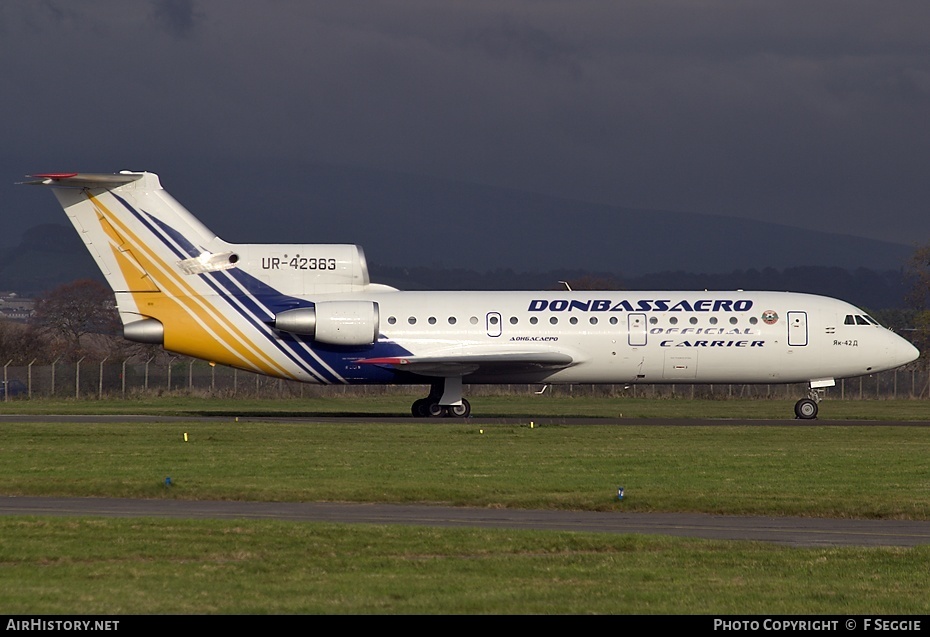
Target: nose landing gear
{"x":806,"y":408}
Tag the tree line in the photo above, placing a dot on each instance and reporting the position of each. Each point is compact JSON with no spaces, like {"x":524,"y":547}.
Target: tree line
{"x":73,"y":321}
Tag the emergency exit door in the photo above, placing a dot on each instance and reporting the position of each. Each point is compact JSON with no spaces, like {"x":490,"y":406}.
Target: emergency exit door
{"x":797,"y":329}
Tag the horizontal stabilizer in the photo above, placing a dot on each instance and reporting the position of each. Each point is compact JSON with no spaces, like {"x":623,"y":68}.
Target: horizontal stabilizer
{"x":82,"y":180}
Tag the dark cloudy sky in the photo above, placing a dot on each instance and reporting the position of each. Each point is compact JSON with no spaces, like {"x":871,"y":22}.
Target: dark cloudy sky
{"x":808,"y":113}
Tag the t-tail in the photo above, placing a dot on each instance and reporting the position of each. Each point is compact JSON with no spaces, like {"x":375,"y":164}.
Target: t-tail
{"x":179,"y":285}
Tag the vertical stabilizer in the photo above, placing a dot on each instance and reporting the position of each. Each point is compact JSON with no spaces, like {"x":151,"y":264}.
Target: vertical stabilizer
{"x":177,"y":284}
{"x":139,"y":236}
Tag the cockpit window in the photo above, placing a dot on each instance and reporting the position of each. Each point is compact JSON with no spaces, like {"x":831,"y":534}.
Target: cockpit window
{"x":860,"y":319}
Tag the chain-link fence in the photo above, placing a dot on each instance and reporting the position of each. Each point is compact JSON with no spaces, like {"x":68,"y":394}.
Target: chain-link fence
{"x":129,"y":379}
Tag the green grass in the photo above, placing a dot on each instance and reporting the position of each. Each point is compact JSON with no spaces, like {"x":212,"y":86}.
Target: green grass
{"x":51,"y":566}
{"x":128,"y":566}
{"x":841,"y":471}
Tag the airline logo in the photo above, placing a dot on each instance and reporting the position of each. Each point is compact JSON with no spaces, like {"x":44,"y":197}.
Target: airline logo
{"x":640,"y":305}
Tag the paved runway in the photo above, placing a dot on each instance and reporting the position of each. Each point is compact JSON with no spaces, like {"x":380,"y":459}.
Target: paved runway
{"x":788,"y":531}
{"x":780,"y":530}
{"x":381,"y":419}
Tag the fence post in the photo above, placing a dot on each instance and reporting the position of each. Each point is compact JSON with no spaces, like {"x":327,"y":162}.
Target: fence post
{"x":77,"y":377}
{"x":29,"y":379}
{"x":170,"y":360}
{"x":54,"y":362}
{"x":190,"y":376}
{"x":100,"y":379}
{"x":146,"y":385}
{"x":123,"y":378}
{"x":6,"y":386}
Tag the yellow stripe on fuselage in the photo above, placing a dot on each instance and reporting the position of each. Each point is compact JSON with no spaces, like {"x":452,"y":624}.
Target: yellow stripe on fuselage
{"x":193,"y":325}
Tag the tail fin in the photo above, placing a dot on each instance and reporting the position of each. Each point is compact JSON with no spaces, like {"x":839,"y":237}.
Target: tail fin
{"x":178,"y":284}
{"x":115,"y":214}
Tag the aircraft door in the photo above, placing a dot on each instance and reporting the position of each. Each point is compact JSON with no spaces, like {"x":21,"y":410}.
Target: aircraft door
{"x":636,"y":323}
{"x":493,"y":322}
{"x":797,"y":329}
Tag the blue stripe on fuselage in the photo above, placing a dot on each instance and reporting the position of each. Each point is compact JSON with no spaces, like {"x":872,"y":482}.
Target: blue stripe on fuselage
{"x":262,"y":302}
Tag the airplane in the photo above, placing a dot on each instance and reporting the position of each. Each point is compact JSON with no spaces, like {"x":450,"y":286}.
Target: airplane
{"x":308,"y":312}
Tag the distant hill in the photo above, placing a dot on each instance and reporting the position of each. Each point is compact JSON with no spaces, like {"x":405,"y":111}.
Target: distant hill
{"x":48,"y":255}
{"x":412,"y":220}
{"x":869,"y":289}
{"x":51,"y":254}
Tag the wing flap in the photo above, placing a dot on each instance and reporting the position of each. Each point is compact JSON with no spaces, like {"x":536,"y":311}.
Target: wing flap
{"x":465,"y":364}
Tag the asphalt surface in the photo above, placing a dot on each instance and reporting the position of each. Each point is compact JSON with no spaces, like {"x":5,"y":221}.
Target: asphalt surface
{"x":787,"y":531}
{"x":780,"y":530}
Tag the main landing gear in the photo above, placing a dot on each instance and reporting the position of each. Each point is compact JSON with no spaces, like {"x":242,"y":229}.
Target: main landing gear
{"x":445,"y":399}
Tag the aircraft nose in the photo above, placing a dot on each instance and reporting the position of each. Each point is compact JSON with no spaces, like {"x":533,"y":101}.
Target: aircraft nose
{"x":903,"y":352}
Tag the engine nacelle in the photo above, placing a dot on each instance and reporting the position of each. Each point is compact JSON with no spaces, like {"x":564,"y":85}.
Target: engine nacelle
{"x":333,"y":322}
{"x":148,"y":330}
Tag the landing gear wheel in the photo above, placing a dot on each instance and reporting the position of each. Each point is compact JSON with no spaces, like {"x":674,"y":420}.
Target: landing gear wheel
{"x":805,"y":409}
{"x":418,"y":409}
{"x":435,"y":409}
{"x":460,"y":411}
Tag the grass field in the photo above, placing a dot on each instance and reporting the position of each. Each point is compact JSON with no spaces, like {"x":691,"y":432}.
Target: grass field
{"x":109,"y":566}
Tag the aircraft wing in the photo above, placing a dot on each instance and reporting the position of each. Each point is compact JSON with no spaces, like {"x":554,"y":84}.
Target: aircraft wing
{"x":465,"y":364}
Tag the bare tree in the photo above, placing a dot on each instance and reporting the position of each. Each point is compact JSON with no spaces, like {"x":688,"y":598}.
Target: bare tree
{"x":72,"y":311}
{"x":21,"y":343}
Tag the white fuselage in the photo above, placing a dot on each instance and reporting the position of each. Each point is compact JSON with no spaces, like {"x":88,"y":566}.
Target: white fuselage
{"x":649,"y":337}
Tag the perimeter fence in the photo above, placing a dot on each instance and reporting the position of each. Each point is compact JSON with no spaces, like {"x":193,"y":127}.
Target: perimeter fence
{"x":130,"y":379}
